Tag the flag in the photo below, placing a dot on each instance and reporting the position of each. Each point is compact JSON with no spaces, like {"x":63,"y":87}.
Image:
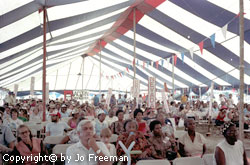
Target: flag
{"x":175,"y":60}
{"x":152,"y":63}
{"x":224,"y":30}
{"x":182,"y":57}
{"x":201,"y":46}
{"x":212,"y":38}
{"x":120,"y":74}
{"x":191,"y":51}
{"x":143,"y":64}
{"x":147,"y":63}
{"x":127,"y":69}
{"x":137,"y":62}
{"x":157,"y":64}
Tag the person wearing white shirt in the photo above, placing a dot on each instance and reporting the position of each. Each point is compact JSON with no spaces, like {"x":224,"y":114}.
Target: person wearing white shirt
{"x":56,"y":128}
{"x":230,"y":101}
{"x":35,"y":115}
{"x":13,"y":122}
{"x":63,"y":111}
{"x":111,"y":118}
{"x":100,"y":122}
{"x":84,"y":152}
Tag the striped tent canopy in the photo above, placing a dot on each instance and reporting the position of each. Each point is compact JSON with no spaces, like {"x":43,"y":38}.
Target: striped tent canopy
{"x":200,"y":37}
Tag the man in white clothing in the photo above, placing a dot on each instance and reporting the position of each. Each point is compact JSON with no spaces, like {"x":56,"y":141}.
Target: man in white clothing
{"x":85,"y":151}
{"x":56,"y":128}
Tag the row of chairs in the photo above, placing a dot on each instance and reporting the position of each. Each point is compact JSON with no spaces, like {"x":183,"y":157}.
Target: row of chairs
{"x":206,"y":160}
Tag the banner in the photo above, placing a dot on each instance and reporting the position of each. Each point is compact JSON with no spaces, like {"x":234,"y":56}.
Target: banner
{"x":164,"y":99}
{"x":109,"y":96}
{"x":32,"y":86}
{"x":136,"y":88}
{"x":211,"y":99}
{"x":80,"y":94}
{"x":15,"y":89}
{"x":47,"y":93}
{"x":151,"y":92}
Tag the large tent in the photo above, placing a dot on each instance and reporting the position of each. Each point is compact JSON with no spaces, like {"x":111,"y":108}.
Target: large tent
{"x":201,"y":38}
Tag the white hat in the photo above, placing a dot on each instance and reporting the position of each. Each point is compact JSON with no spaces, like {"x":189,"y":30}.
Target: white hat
{"x":75,"y":111}
{"x":64,"y":106}
{"x":100,"y":111}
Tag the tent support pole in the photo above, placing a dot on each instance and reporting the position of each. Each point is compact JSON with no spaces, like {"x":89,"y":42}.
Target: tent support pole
{"x":68,"y":76}
{"x":241,"y":68}
{"x":100,"y":76}
{"x":134,"y":29}
{"x":44,"y":63}
{"x":173,"y":75}
{"x":83,"y":60}
{"x":56,"y":79}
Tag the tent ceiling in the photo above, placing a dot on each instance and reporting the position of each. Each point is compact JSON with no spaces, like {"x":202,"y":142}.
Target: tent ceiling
{"x":76,"y":26}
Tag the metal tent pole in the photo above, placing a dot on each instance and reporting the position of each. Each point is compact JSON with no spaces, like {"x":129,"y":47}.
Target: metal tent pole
{"x":134,"y":28}
{"x":100,"y":78}
{"x":44,"y":63}
{"x":173,"y":75}
{"x":241,"y":67}
{"x":83,"y":64}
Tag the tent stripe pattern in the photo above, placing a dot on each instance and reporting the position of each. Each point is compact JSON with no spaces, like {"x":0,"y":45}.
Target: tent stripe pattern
{"x":77,"y":28}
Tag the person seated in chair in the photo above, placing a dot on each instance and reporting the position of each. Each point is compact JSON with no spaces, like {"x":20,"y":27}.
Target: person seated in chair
{"x":162,"y":147}
{"x":192,"y":143}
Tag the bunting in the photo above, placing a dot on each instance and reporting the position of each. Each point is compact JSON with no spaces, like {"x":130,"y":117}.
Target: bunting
{"x":224,"y":30}
{"x":175,"y":60}
{"x":212,"y":38}
{"x":157,"y":64}
{"x":191,"y":51}
{"x":201,"y":47}
{"x":182,"y":57}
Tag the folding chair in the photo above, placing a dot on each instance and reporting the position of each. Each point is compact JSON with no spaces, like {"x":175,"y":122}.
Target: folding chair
{"x":53,"y":139}
{"x":208,"y":159}
{"x":60,"y":149}
{"x":188,"y":160}
{"x":154,"y":162}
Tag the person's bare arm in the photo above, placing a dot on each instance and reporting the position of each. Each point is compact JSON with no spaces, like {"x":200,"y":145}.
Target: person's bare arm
{"x":204,"y":150}
{"x":219,"y":157}
{"x":181,"y":150}
{"x":12,"y":145}
{"x":245,"y":158}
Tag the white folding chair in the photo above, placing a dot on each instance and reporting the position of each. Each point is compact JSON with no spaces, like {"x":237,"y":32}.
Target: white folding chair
{"x":173,"y":123}
{"x":208,"y":159}
{"x":53,"y":139}
{"x":188,"y":160}
{"x":60,"y":149}
{"x":65,"y":119}
{"x":154,"y":162}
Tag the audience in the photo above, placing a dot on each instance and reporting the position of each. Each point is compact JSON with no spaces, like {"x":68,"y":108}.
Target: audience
{"x":90,"y":130}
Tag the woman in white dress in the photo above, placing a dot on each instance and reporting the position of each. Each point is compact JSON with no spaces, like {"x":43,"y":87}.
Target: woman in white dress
{"x":230,"y":151}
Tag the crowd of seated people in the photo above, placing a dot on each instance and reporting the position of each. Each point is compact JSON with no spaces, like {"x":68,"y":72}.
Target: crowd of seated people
{"x":89,"y":127}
